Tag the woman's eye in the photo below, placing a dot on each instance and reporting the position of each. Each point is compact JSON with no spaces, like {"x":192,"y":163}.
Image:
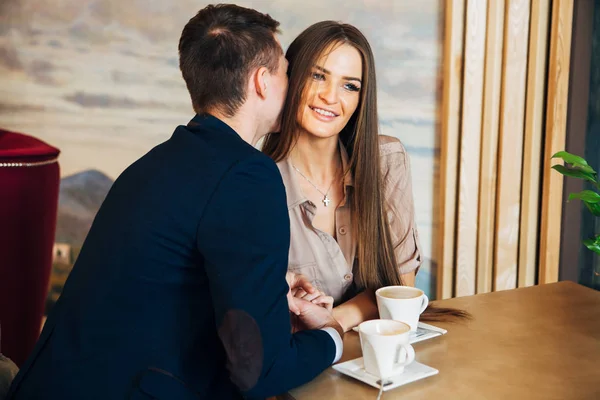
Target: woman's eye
{"x":318,"y":76}
{"x":351,"y":87}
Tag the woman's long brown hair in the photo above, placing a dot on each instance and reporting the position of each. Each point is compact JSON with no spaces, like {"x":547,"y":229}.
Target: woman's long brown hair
{"x":375,"y":252}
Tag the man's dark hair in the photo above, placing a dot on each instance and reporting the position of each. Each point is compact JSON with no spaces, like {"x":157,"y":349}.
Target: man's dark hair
{"x":218,"y":49}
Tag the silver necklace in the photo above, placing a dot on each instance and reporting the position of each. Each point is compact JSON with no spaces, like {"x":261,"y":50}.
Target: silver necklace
{"x":326,"y":200}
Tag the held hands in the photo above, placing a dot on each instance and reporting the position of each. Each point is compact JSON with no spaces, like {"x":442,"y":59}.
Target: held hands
{"x":301,"y":288}
{"x":295,"y":282}
{"x":317,"y":297}
{"x":310,"y":308}
{"x":313,"y":316}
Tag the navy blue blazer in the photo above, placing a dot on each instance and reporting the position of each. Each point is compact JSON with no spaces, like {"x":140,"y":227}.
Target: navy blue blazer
{"x":179,"y":291}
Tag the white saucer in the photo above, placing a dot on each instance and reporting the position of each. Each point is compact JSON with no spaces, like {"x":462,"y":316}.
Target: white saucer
{"x":412,"y":372}
{"x":424,"y":332}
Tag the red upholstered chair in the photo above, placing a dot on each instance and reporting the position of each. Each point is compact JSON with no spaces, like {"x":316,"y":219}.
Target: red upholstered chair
{"x":29,"y":183}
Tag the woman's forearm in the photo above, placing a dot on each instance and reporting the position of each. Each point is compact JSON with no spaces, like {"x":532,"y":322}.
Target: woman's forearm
{"x":409,"y":279}
{"x":363,"y":306}
{"x":360,"y":308}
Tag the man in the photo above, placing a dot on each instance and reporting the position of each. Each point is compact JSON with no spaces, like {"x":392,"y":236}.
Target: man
{"x":179,"y":291}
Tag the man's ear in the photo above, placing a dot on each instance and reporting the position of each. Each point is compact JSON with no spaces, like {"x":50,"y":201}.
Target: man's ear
{"x":261,"y":81}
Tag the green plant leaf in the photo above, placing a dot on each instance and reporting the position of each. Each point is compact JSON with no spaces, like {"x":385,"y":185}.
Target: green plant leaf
{"x":593,"y":245}
{"x":594,"y":208}
{"x":574,"y":173}
{"x":570,"y":158}
{"x":576,"y":161}
{"x":589,"y":196}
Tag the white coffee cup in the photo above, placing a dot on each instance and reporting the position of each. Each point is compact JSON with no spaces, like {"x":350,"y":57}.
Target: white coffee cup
{"x":385,"y":347}
{"x":401,"y":303}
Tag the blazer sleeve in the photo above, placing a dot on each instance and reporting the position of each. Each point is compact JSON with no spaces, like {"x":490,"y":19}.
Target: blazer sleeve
{"x":244,"y":238}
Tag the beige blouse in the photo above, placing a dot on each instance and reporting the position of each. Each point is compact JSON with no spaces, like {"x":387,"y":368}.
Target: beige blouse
{"x":330,"y":264}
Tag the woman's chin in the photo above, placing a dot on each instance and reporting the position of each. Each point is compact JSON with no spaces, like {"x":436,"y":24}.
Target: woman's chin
{"x":322,"y":134}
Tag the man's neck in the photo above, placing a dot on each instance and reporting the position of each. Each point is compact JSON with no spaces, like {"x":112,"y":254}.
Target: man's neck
{"x":243,"y":123}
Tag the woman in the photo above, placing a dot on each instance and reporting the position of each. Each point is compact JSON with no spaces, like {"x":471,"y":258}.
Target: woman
{"x":348,"y":188}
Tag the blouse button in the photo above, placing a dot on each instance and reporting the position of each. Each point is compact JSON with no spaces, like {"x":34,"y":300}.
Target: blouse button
{"x":348,"y":277}
{"x":342,"y":230}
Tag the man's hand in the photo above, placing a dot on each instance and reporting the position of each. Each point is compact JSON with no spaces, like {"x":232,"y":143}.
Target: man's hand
{"x":317,"y":297}
{"x":297,"y":282}
{"x":313,"y":316}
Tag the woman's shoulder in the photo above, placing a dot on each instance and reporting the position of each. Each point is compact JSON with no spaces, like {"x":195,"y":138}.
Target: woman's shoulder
{"x":391,"y":148}
{"x":390,"y":145}
{"x":394,"y":162}
{"x":284,"y":170}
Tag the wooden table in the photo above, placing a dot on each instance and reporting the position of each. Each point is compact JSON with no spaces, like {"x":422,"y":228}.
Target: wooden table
{"x":541,"y":342}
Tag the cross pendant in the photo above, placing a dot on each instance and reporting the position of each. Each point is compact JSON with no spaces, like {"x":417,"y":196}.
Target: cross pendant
{"x":326,"y":201}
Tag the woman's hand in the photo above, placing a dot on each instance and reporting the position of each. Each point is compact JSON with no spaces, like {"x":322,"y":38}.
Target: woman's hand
{"x":312,"y":316}
{"x":297,"y":282}
{"x":317,"y":297}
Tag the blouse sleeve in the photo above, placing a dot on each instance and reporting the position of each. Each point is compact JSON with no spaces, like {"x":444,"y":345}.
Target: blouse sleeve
{"x":400,"y":204}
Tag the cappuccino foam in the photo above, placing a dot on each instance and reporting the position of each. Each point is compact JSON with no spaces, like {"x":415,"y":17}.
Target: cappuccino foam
{"x":397,"y":293}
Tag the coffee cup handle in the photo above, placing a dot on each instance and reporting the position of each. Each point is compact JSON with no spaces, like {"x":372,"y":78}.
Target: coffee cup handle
{"x":425,"y":303}
{"x":410,"y":355}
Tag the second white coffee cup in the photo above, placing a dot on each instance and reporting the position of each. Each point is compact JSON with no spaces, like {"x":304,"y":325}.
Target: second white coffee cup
{"x":401,"y":303}
{"x":385,"y":347}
